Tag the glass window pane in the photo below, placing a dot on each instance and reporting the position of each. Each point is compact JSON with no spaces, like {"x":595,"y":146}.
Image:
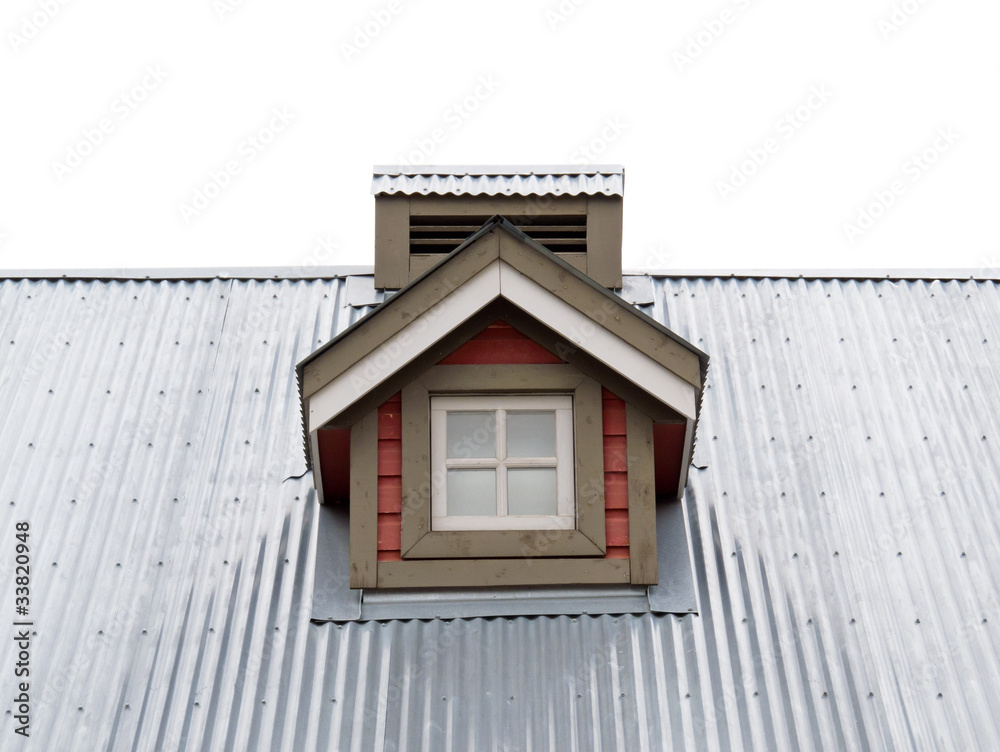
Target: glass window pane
{"x":472,"y":434}
{"x":531,"y":490}
{"x":472,"y":492}
{"x":531,"y":434}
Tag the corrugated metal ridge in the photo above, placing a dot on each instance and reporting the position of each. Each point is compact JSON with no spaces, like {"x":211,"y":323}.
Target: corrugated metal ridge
{"x":192,"y":274}
{"x":476,"y":170}
{"x":500,"y":181}
{"x":291,"y":273}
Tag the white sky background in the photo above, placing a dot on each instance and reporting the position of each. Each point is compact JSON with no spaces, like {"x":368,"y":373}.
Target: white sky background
{"x":561,"y":73}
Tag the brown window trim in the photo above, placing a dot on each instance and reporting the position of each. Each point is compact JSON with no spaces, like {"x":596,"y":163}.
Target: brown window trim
{"x":491,"y":572}
{"x":418,"y":541}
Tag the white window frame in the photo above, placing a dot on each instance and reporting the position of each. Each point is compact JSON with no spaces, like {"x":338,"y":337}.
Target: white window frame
{"x":563,"y":462}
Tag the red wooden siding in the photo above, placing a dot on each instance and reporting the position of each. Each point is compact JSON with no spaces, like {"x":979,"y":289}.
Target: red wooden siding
{"x":500,"y":344}
{"x":615,"y":476}
{"x":390,"y":482}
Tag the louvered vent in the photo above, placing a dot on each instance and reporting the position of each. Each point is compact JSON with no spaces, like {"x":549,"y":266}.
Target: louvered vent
{"x":560,"y":233}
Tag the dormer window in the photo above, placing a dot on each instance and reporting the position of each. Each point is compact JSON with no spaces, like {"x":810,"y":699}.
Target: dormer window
{"x":502,"y":463}
{"x":510,"y":420}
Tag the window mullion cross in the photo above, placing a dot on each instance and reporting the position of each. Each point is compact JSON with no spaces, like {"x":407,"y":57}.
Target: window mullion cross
{"x":501,"y":438}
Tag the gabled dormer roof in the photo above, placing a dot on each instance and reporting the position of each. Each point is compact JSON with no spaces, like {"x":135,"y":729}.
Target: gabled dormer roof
{"x":500,"y":272}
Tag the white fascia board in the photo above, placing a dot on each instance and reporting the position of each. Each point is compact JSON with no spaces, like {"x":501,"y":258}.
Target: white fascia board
{"x":407,"y":344}
{"x":594,"y":339}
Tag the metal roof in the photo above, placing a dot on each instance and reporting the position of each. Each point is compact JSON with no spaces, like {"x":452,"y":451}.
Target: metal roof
{"x":843,"y":521}
{"x":540,"y":180}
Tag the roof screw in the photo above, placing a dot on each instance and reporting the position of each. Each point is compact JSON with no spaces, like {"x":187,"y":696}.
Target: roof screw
{"x":795,"y":556}
{"x":871,"y":694}
{"x":940,"y":695}
{"x":899,"y":553}
{"x":756,"y":694}
{"x":825,"y":694}
{"x":853,"y":621}
{"x":687,"y":695}
{"x":836,"y":553}
{"x":744,"y":620}
{"x":917,"y":621}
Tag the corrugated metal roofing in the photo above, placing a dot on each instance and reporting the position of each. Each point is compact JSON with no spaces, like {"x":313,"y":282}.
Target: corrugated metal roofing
{"x":500,"y":181}
{"x":844,"y":528}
